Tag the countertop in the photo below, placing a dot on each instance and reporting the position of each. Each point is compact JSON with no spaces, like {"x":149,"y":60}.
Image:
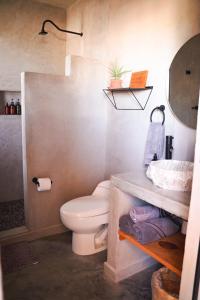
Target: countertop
{"x":137,"y":184}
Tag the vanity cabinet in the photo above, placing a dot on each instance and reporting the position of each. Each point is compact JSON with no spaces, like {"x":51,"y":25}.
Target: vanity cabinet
{"x":127,"y":257}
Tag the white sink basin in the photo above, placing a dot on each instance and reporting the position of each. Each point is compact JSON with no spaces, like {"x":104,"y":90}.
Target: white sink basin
{"x":171,"y":174}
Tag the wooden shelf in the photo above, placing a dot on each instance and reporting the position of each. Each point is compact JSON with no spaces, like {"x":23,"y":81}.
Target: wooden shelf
{"x":127,"y":89}
{"x":168,"y":251}
{"x":110,"y":95}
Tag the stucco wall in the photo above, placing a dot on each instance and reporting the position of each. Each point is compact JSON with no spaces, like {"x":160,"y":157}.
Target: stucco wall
{"x":64,"y":130}
{"x":21,"y":48}
{"x":11,"y":177}
{"x":139,"y":35}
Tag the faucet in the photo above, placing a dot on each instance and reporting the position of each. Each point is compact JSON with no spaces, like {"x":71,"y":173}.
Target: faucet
{"x":169,"y":147}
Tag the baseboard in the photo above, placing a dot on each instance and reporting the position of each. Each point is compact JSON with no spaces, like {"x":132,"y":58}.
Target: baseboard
{"x":118,"y":275}
{"x":29,"y":235}
{"x":12,"y":232}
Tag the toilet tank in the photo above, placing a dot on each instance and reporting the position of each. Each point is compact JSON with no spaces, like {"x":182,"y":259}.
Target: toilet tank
{"x":103,"y":189}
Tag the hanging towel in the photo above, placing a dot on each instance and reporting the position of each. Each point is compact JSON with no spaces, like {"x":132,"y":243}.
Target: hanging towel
{"x":143,"y":213}
{"x":148,"y":231}
{"x":155,"y":142}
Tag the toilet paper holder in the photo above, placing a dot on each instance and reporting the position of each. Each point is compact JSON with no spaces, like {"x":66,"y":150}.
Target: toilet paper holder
{"x":35,"y":180}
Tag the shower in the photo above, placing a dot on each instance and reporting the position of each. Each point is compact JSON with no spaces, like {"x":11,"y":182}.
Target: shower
{"x":44,"y":32}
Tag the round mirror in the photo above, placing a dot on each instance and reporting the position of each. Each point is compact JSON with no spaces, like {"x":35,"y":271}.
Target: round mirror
{"x":184,"y":82}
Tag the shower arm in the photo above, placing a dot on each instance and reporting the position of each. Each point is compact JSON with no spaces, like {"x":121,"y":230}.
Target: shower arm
{"x":60,"y":29}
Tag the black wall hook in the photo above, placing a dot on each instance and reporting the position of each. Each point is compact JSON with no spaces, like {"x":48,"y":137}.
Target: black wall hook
{"x":161,"y":108}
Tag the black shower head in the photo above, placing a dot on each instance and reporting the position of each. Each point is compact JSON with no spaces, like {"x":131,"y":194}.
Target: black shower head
{"x":43,"y":32}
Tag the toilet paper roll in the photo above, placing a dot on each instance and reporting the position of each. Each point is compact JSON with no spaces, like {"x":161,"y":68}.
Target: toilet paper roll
{"x":44,"y":184}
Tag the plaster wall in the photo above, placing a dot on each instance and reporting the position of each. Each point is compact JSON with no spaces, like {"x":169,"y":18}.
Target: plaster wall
{"x":11,"y":175}
{"x":58,"y":3}
{"x":139,"y":35}
{"x":21,"y":48}
{"x":64,"y":134}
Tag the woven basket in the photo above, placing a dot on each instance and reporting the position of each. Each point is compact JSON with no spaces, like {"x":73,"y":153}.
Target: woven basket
{"x":165,"y":285}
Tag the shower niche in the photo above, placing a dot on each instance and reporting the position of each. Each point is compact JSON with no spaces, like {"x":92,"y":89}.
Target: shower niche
{"x":7,"y":97}
{"x":11,"y":165}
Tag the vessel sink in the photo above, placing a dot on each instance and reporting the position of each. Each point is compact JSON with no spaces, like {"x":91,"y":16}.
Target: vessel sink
{"x":171,"y":174}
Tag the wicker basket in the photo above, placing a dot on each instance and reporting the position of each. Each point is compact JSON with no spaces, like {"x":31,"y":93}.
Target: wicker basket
{"x":165,"y":285}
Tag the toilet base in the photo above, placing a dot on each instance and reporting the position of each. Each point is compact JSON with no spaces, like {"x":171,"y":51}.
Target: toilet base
{"x":84,"y":244}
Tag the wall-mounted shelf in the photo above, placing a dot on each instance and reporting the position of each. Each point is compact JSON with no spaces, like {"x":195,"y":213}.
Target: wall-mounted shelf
{"x":168,"y":251}
{"x":110,"y":94}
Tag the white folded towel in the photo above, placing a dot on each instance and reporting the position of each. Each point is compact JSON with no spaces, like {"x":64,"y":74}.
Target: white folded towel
{"x":155,"y":142}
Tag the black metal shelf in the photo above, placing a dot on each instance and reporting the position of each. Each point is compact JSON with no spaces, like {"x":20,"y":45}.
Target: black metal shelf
{"x":110,"y":95}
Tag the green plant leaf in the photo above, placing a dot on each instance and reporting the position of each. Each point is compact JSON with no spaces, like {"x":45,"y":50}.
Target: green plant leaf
{"x":117,"y":71}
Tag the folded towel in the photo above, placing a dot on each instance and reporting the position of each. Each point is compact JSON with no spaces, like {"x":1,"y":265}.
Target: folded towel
{"x":143,"y":213}
{"x":178,"y":221}
{"x":148,"y":231}
{"x":155,"y":142}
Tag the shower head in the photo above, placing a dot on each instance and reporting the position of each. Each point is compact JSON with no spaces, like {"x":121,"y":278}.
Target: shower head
{"x":44,"y":32}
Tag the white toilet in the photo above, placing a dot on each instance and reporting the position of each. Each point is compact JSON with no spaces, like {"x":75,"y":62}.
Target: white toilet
{"x":87,"y":217}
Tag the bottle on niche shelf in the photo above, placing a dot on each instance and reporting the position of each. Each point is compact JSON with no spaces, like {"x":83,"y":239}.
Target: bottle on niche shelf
{"x":12,"y":108}
{"x":18,"y":107}
{"x":7,"y":109}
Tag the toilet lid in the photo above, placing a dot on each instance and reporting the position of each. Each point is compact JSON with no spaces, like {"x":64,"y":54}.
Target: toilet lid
{"x":88,"y":206}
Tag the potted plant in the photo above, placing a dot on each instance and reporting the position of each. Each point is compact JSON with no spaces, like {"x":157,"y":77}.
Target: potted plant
{"x":116,"y":75}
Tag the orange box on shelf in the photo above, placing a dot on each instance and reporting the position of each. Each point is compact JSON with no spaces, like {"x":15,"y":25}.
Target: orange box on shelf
{"x":138,"y":80}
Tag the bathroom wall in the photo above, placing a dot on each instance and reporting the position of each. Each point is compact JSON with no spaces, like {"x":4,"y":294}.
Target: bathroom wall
{"x":139,"y":35}
{"x":11,"y":174}
{"x":64,"y":132}
{"x":11,"y":177}
{"x":21,"y":48}
{"x":58,"y":3}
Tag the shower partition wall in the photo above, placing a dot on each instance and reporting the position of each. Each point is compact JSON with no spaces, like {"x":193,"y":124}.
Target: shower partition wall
{"x":63,"y":129}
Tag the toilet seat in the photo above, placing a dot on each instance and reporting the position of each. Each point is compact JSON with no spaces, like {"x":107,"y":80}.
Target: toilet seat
{"x":88,"y":206}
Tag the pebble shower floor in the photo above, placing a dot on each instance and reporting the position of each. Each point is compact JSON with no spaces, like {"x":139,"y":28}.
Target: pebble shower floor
{"x":12,"y":214}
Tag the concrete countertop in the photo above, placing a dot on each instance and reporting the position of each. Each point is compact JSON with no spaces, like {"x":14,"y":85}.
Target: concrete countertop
{"x":137,"y":184}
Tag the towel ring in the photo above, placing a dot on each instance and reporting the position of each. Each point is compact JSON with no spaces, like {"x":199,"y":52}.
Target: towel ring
{"x":161,"y":108}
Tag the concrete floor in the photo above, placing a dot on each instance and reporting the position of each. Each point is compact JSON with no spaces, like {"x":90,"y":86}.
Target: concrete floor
{"x":61,"y":275}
